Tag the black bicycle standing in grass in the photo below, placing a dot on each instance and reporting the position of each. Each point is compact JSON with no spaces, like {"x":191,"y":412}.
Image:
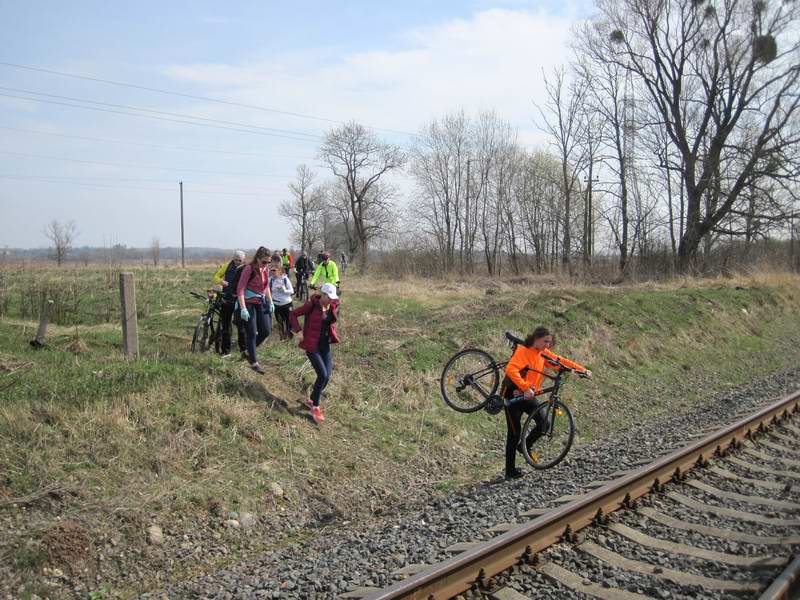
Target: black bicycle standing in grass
{"x":207,"y":332}
{"x":470,"y":381}
{"x":302,"y":288}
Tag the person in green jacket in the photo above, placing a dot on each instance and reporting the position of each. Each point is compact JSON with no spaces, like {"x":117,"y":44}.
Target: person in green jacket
{"x":327,"y":271}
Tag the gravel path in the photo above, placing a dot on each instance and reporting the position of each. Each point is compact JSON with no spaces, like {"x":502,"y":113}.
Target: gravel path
{"x":344,"y":558}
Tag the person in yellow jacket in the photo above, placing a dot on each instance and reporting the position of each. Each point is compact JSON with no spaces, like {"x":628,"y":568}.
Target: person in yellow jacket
{"x":524,"y":376}
{"x":327,"y":271}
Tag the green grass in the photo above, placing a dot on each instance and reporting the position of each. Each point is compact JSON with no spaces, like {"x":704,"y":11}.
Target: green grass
{"x":176,"y":432}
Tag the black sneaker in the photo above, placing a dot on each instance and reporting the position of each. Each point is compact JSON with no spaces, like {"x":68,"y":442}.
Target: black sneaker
{"x":515,"y":474}
{"x":257,"y":368}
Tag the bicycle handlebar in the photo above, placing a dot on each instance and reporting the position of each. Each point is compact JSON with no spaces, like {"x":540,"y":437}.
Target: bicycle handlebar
{"x":198,"y":296}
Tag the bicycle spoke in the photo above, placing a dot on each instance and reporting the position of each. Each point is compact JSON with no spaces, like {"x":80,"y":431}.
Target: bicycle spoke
{"x":469,"y":378}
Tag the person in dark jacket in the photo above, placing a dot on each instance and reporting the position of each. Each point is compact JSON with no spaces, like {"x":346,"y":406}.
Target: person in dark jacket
{"x":303,"y":268}
{"x":316,"y":337}
{"x":224,"y":279}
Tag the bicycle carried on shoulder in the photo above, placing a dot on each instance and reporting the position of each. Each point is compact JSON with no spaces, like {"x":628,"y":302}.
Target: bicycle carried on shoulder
{"x":470,"y":381}
{"x":207,"y":332}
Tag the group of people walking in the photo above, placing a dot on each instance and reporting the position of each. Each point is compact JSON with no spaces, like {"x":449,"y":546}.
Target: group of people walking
{"x":252,"y":292}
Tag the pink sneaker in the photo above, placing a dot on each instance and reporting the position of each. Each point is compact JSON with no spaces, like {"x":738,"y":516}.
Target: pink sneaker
{"x":309,"y":403}
{"x":316,"y":414}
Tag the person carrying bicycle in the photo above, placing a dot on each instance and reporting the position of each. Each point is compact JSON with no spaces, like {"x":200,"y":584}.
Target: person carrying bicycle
{"x":223,"y":278}
{"x":327,"y":271}
{"x":524,"y":375}
{"x":303,"y":267}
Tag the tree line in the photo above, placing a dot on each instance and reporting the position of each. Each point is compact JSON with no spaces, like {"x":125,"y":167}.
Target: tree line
{"x":673,"y":131}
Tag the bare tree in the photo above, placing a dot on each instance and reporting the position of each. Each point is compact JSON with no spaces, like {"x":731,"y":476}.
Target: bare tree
{"x":155,"y":251}
{"x":304,"y":209}
{"x":722,"y":78}
{"x":563,"y":119}
{"x":61,"y":236}
{"x":359,"y":159}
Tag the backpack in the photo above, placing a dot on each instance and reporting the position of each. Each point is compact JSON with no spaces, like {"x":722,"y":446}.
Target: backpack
{"x":234,"y":284}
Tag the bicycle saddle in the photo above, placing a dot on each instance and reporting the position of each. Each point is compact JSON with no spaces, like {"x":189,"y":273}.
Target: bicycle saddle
{"x":514,"y":338}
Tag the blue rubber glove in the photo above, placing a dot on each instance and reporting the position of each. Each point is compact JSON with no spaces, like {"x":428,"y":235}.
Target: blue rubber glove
{"x":244,"y":314}
{"x":271,"y":308}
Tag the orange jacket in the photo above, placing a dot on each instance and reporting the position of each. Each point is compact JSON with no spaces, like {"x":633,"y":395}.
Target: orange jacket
{"x":534,"y":360}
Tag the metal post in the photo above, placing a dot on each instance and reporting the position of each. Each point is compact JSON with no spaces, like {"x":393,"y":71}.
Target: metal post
{"x":44,"y":319}
{"x":130,"y":327}
{"x":183,"y":264}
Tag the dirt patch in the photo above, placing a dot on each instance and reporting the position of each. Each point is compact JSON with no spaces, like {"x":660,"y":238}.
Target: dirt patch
{"x":77,"y":346}
{"x":67,"y":543}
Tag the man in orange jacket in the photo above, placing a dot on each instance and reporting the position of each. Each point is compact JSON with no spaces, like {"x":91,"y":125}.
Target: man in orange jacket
{"x":524,"y":376}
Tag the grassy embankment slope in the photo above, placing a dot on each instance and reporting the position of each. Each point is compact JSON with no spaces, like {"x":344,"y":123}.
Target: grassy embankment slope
{"x":178,"y":432}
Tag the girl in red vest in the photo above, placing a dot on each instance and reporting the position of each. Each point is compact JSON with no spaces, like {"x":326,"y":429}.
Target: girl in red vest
{"x":316,"y":337}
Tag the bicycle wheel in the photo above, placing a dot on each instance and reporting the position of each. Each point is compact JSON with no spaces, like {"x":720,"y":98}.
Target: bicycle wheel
{"x":469,"y":378}
{"x":546,"y":443}
{"x":197,"y":336}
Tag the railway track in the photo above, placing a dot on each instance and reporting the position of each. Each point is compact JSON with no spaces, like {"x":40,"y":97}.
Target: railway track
{"x":715,"y":518}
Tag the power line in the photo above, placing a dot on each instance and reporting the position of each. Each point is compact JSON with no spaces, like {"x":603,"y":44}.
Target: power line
{"x":139,"y":166}
{"x":192,"y":96}
{"x":55,"y":179}
{"x":129,"y":114}
{"x":147,"y":145}
{"x":149,"y":180}
{"x":163,"y":112}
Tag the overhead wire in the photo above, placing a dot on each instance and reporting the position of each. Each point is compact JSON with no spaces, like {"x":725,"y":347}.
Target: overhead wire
{"x":163,"y":112}
{"x":192,"y":96}
{"x":148,"y":145}
{"x":140,"y":166}
{"x":56,"y":179}
{"x":142,"y":116}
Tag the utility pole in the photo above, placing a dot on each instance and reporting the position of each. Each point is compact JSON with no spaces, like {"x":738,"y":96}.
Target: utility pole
{"x":588,"y":250}
{"x":466,"y":224}
{"x":183,"y":263}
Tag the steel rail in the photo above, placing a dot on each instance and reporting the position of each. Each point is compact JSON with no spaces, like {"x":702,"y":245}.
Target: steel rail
{"x":476,"y":565}
{"x":786,"y":585}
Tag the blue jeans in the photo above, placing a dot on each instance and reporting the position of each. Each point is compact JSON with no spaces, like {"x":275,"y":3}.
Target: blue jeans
{"x":258,"y":328}
{"x":322,"y":361}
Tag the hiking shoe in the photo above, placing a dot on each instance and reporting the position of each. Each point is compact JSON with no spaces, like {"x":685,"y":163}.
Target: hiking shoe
{"x":515,"y":474}
{"x":226,"y":355}
{"x":257,"y":368}
{"x":316,"y":414}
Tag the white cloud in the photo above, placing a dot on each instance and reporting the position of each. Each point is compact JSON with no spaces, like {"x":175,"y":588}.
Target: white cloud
{"x":493,"y":60}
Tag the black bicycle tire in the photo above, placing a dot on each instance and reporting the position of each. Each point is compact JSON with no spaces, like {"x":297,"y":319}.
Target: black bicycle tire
{"x":564,"y":451}
{"x":453,"y":359}
{"x":195,"y":336}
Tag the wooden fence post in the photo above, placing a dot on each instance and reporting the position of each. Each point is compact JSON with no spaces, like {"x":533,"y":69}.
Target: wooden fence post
{"x":44,"y":319}
{"x":130,"y":327}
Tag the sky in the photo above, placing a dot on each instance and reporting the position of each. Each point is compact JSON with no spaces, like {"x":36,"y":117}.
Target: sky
{"x":109,"y":157}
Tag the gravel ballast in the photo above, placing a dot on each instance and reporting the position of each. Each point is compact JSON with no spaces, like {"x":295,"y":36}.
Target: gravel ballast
{"x":344,"y":557}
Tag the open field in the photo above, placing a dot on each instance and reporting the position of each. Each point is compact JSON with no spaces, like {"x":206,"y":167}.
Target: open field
{"x":94,"y":449}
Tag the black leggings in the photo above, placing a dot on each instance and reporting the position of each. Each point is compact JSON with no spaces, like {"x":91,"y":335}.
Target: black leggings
{"x":514,"y":427}
{"x":282,"y":317}
{"x":225,"y":321}
{"x":258,"y":328}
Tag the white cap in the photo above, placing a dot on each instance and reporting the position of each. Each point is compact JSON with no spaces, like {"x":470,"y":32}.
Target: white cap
{"x":329,"y":290}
